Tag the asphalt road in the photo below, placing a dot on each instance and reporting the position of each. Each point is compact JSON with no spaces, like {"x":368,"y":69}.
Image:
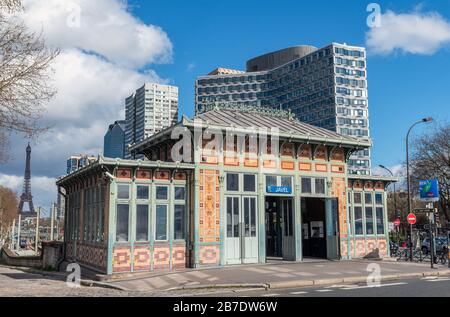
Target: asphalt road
{"x":425,"y":287}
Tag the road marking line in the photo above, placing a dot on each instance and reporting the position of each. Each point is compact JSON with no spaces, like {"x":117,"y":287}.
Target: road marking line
{"x":342,"y":286}
{"x":324,"y":290}
{"x":439,"y":280}
{"x":374,"y":286}
{"x":298,"y":293}
{"x":271,"y":295}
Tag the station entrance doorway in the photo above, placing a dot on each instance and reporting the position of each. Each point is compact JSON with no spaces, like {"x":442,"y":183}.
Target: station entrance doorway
{"x":280,"y":239}
{"x":320,"y":236}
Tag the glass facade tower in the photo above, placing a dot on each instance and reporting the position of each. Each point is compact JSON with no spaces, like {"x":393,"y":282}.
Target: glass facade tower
{"x":114,"y":141}
{"x":324,"y":87}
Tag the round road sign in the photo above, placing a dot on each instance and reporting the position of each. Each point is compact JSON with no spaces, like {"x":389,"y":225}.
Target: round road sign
{"x":412,"y":219}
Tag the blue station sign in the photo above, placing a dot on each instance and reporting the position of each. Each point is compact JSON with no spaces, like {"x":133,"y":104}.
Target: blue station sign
{"x":429,"y":190}
{"x":279,"y":189}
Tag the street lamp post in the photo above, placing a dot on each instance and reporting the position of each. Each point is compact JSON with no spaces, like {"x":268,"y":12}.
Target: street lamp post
{"x":395,"y":202}
{"x":424,"y":120}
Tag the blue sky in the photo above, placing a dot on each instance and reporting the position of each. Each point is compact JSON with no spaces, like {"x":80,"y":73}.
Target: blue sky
{"x":402,"y":87}
{"x":108,"y":50}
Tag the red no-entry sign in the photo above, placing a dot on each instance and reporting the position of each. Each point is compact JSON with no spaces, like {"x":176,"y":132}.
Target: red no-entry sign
{"x":412,"y":219}
{"x":397,"y":222}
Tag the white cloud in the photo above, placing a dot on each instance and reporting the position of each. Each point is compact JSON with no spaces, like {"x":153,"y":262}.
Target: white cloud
{"x":415,"y":33}
{"x":190,"y":67}
{"x":101,"y":26}
{"x":398,"y":171}
{"x":102,"y":61}
{"x":89,"y":87}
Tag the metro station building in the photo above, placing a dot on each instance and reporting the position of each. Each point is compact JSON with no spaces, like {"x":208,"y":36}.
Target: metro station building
{"x":230,"y":186}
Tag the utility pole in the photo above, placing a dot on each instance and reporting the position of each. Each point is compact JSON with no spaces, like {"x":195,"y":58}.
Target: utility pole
{"x":13,"y":238}
{"x":408,"y":181}
{"x":18,"y":232}
{"x":52,"y":215}
{"x":37,"y":230}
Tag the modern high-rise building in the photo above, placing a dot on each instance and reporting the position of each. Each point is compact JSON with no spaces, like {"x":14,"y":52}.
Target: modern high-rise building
{"x":325,"y":87}
{"x":152,"y":108}
{"x":76,"y":162}
{"x":114,"y":141}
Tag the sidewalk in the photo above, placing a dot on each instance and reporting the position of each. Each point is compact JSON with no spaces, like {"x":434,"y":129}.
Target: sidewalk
{"x":275,"y":275}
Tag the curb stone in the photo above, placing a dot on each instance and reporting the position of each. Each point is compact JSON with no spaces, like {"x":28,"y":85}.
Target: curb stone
{"x":213,"y":286}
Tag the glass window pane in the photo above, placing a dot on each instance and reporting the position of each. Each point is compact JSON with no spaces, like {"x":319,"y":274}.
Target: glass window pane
{"x":233,"y":182}
{"x":229,"y":217}
{"x":286,"y":181}
{"x":249,"y":183}
{"x":357,"y":199}
{"x":122,"y":223}
{"x":161,"y":222}
{"x":123,"y":191}
{"x":306,"y":185}
{"x":320,"y":186}
{"x":369,"y":220}
{"x":142,"y":223}
{"x":271,"y":181}
{"x":380,"y":220}
{"x":162,"y":192}
{"x":179,"y":216}
{"x":379,"y":199}
{"x":368,"y":198}
{"x":358,"y":221}
{"x":142,"y":192}
{"x":253,"y":217}
{"x":291,"y":220}
{"x":247,"y":217}
{"x":236,"y":217}
{"x":180,"y":193}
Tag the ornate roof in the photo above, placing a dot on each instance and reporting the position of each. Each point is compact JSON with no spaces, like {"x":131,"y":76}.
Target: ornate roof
{"x":245,"y":119}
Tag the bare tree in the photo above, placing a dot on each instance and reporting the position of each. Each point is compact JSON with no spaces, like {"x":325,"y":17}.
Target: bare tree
{"x":10,"y":5}
{"x":8,"y":211}
{"x":24,"y":74}
{"x":431,"y":160}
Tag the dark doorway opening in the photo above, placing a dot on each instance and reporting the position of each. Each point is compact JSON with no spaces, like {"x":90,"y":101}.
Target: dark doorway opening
{"x":280,"y":238}
{"x":314,"y":228}
{"x":274,"y":235}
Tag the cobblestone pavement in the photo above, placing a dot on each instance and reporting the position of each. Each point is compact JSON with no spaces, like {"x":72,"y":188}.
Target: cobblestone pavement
{"x":17,"y":283}
{"x":14,"y":282}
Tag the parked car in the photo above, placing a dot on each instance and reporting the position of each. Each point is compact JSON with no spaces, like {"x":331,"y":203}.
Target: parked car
{"x":440,"y":243}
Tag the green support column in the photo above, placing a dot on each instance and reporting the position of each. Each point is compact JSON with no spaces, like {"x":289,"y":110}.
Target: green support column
{"x":261,"y":220}
{"x":196,"y":216}
{"x":298,"y":220}
{"x":132,"y":221}
{"x":111,"y":225}
{"x":223,"y":217}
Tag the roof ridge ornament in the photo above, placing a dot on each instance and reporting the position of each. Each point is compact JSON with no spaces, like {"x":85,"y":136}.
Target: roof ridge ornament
{"x":240,"y":107}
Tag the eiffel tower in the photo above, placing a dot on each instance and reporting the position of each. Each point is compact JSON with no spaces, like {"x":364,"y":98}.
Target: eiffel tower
{"x":26,"y":196}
